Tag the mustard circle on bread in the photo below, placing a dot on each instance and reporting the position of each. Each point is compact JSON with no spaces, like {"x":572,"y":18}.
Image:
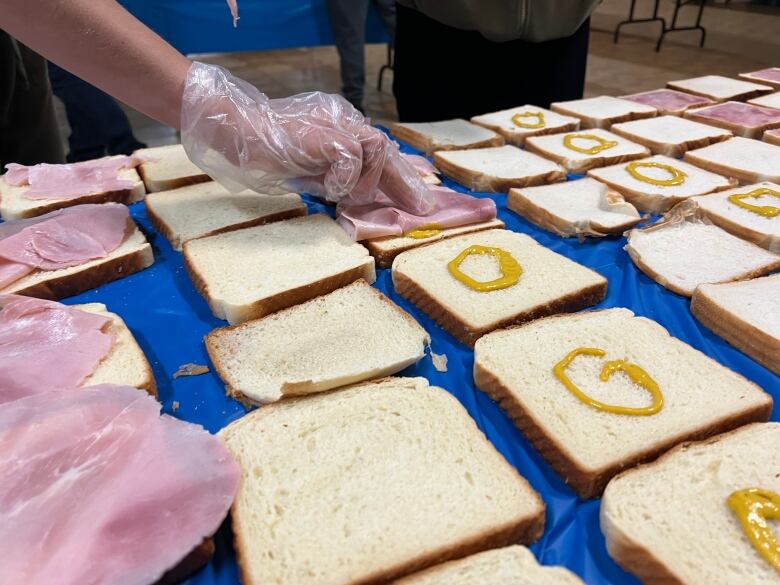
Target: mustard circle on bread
{"x":753,"y":507}
{"x":517,"y":120}
{"x":509,"y":267}
{"x":602,"y":143}
{"x":677,"y":176}
{"x":767,"y":211}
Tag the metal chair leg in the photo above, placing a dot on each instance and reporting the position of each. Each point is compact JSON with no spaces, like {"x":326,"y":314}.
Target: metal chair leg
{"x":386,"y":67}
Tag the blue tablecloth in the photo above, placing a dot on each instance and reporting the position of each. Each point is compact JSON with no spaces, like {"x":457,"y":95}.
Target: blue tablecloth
{"x":169,"y":319}
{"x":205,"y":26}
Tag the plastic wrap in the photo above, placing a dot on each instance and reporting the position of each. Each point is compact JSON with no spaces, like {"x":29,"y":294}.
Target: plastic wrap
{"x":313,"y":142}
{"x":169,"y":319}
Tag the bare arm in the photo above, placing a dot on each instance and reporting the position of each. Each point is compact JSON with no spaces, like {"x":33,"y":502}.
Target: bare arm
{"x":101,"y":42}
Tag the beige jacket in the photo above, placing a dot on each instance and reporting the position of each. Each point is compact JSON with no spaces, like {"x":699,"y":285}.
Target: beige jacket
{"x":507,"y":20}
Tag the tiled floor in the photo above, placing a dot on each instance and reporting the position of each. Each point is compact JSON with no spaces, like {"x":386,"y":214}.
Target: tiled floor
{"x":739,"y":38}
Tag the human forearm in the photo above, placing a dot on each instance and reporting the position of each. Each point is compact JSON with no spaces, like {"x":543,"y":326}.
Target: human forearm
{"x":101,"y":42}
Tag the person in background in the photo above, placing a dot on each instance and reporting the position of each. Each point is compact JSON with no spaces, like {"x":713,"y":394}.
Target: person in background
{"x":481,"y":56}
{"x":25,"y":96}
{"x":98,"y":126}
{"x":348,"y":19}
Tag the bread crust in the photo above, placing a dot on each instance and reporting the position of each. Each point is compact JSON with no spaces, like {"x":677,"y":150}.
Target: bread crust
{"x":282,"y":300}
{"x":169,"y":233}
{"x":193,"y":562}
{"x":744,"y":177}
{"x":384,"y":258}
{"x":477,"y":181}
{"x":656,"y":203}
{"x":674,"y":150}
{"x":77,"y":282}
{"x":772,"y":138}
{"x":423,"y":142}
{"x":588,"y":483}
{"x":124,"y":196}
{"x":605,"y":123}
{"x":416,"y":294}
{"x":747,"y":338}
{"x":553,"y":223}
{"x":583,"y":165}
{"x":633,"y":556}
{"x":636,"y":258}
{"x":519,"y":139}
{"x":153,"y":186}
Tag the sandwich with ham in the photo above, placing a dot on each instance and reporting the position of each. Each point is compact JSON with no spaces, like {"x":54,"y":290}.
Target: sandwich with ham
{"x":71,"y":250}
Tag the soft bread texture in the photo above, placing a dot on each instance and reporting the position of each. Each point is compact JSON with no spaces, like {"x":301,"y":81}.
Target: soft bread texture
{"x":719,"y":88}
{"x":553,"y":148}
{"x":550,"y":283}
{"x":126,"y":364}
{"x":255,"y":271}
{"x":746,"y":314}
{"x":681,"y":255}
{"x":132,"y":255}
{"x":497,"y":169}
{"x":446,"y":135}
{"x":657,"y":198}
{"x":14,"y":205}
{"x":770,"y":101}
{"x":746,"y":224}
{"x":384,"y":250}
{"x":603,"y":111}
{"x":588,"y":446}
{"x":670,"y":135}
{"x":369,"y":483}
{"x":206,"y":209}
{"x":746,"y":120}
{"x":502,"y":123}
{"x":748,"y":161}
{"x":767,"y":76}
{"x":669,"y":522}
{"x":512,"y":565}
{"x":352,"y":334}
{"x":576,"y":208}
{"x":168,"y":167}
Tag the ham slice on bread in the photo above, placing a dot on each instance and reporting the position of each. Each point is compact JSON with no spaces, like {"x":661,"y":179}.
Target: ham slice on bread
{"x":381,"y":218}
{"x":70,"y":250}
{"x":99,"y":488}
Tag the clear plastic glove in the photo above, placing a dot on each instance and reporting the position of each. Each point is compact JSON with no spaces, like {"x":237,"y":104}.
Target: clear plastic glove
{"x":313,"y":142}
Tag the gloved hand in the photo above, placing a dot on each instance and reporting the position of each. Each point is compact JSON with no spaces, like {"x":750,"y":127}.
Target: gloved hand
{"x":313,"y":142}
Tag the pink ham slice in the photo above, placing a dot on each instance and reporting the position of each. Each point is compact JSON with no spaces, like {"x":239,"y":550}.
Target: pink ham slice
{"x":668,"y":100}
{"x":71,"y":343}
{"x":421,"y":164}
{"x":71,"y":180}
{"x":380,"y":218}
{"x":742,"y":114}
{"x":62,"y":238}
{"x":98,"y":488}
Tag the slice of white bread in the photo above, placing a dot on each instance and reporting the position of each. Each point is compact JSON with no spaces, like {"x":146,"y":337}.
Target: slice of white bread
{"x":168,"y":167}
{"x":14,"y":205}
{"x":206,"y":209}
{"x":768,"y":76}
{"x":511,"y":565}
{"x":670,"y":521}
{"x":748,"y":225}
{"x":255,"y":271}
{"x":384,"y":250}
{"x":502,"y":123}
{"x":445,"y":135}
{"x":670,"y":135}
{"x":549,"y":283}
{"x":554,"y":148}
{"x":125,"y":364}
{"x":369,"y":483}
{"x":576,"y":208}
{"x":603,"y":111}
{"x":353,"y":334}
{"x":719,"y":88}
{"x":497,"y":169}
{"x":746,"y":314}
{"x":658,"y":198}
{"x":680,"y":255}
{"x":748,"y":161}
{"x":772,"y":137}
{"x":747,"y":120}
{"x":771,"y":100}
{"x":133,"y":255}
{"x":586,"y":445}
